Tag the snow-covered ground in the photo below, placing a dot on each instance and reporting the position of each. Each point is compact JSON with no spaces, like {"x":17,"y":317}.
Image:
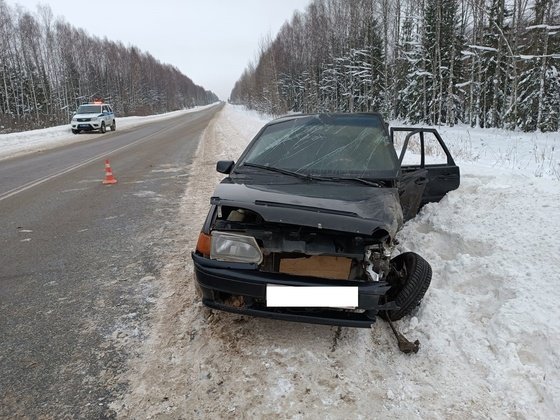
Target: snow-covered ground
{"x":526,"y":154}
{"x":489,"y":325}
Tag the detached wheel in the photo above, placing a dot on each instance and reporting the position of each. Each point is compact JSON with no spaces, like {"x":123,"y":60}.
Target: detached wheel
{"x":114,"y":125}
{"x":103,"y":129}
{"x":75,"y":131}
{"x":410,"y":278}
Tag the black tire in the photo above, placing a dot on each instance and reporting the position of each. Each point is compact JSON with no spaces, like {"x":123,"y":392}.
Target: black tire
{"x":75,"y":131}
{"x":410,"y":278}
{"x":103,"y":129}
{"x":114,"y":125}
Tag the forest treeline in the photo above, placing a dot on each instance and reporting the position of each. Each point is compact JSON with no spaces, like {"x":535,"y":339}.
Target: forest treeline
{"x":487,"y":63}
{"x":48,"y":68}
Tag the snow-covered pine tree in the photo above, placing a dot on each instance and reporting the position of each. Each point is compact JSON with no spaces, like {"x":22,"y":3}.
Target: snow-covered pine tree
{"x":538,"y":85}
{"x":441,"y":43}
{"x":495,"y":65}
{"x":412,"y":93}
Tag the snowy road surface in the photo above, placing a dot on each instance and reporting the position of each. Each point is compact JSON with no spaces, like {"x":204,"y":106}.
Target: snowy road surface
{"x":489,"y":325}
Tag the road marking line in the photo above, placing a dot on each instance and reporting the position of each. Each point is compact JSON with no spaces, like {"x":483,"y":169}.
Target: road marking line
{"x":40,"y":181}
{"x":31,"y":184}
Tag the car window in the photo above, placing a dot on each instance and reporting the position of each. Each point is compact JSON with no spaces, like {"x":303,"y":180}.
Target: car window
{"x":433,"y":151}
{"x":353,"y":144}
{"x":89,"y":109}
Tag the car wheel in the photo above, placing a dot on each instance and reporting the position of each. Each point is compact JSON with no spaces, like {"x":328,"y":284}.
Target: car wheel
{"x":75,"y":131}
{"x":410,"y":278}
{"x":103,"y":129}
{"x":114,"y":125}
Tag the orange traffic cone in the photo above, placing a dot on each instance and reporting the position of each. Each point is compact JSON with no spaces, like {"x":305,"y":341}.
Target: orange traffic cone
{"x":109,"y":178}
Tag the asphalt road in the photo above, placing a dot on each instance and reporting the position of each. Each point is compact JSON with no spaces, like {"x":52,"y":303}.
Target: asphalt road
{"x":79,"y":263}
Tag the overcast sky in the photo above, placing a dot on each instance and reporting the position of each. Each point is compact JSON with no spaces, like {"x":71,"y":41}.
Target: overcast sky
{"x":211,"y":41}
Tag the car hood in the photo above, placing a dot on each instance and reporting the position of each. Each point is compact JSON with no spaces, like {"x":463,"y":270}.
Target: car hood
{"x":90,"y":115}
{"x":359,"y":209}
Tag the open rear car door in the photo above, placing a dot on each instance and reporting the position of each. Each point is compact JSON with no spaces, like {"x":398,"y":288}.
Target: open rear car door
{"x":428,"y":170}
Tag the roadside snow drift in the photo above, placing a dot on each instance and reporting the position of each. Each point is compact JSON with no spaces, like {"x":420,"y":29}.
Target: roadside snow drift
{"x":489,"y":325}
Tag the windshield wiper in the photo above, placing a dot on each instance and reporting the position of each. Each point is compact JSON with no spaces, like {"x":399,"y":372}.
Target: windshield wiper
{"x":355,"y":179}
{"x":310,"y":177}
{"x":279,"y":170}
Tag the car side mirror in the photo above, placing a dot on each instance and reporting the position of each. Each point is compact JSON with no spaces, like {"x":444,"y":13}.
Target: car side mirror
{"x":225,"y":166}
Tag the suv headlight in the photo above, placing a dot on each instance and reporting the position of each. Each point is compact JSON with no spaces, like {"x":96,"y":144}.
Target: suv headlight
{"x":235,"y":248}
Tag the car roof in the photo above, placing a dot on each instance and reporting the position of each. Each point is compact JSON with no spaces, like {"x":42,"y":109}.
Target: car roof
{"x":330,"y":114}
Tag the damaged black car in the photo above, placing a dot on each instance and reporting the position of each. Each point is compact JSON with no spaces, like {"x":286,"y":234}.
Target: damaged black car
{"x":303,"y":227}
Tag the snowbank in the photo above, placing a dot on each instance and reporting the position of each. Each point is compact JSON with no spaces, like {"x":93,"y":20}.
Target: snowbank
{"x":490,"y":322}
{"x":489,"y":325}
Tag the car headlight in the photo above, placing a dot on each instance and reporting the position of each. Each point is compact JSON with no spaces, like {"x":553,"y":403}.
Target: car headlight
{"x":235,"y":248}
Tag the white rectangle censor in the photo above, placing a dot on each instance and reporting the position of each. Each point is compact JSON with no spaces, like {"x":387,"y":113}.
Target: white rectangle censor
{"x":311,"y":296}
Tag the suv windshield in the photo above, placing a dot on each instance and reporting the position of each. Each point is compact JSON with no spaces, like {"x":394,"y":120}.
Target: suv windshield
{"x":356,"y":145}
{"x":89,"y":109}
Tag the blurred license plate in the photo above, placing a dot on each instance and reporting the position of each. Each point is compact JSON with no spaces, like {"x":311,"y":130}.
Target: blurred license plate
{"x":311,"y":297}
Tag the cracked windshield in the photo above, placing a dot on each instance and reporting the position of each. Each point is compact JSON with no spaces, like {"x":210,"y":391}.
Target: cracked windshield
{"x":325,"y":145}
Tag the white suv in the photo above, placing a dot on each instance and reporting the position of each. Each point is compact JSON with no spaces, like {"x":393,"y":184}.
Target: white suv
{"x":95,"y":116}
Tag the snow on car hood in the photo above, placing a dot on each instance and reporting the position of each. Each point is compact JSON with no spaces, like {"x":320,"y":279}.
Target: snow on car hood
{"x":358,"y":209}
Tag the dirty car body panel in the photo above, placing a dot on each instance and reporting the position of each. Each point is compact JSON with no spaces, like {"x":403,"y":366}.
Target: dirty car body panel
{"x":314,"y":203}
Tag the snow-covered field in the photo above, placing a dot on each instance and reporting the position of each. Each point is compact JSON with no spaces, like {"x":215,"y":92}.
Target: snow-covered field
{"x":489,"y":325}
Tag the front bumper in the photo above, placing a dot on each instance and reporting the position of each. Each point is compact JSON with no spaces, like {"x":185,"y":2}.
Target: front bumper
{"x":89,"y":126}
{"x":219,"y":280}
